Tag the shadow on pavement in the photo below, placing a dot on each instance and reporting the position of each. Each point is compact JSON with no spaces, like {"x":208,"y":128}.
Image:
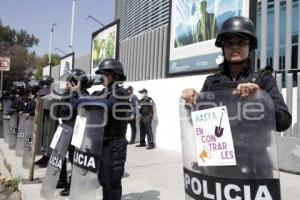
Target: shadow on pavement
{"x":147,"y":195}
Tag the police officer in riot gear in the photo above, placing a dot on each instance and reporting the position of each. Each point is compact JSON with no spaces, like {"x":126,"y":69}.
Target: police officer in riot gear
{"x":237,"y":39}
{"x":6,"y":102}
{"x":18,"y":104}
{"x":19,"y":90}
{"x":72,"y":78}
{"x":33,"y":88}
{"x":44,"y":84}
{"x":114,"y":147}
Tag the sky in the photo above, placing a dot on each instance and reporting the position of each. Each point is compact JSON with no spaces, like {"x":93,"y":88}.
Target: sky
{"x":37,"y":17}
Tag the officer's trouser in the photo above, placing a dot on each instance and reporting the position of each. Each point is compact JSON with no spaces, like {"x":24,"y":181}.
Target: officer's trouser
{"x":64,"y":173}
{"x":133,"y":130}
{"x":112,"y":162}
{"x":146,"y":129}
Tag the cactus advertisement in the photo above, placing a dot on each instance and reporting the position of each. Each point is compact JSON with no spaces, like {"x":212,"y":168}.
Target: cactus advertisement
{"x":104,"y":45}
{"x":194,"y":27}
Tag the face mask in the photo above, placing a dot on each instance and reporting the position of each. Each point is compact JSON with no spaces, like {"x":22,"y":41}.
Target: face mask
{"x":144,"y":95}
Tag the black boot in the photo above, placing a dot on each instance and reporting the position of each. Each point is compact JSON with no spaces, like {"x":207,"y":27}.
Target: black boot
{"x":45,"y":163}
{"x":63,"y":177}
{"x":66,"y":191}
{"x":42,"y":160}
{"x":140,"y":145}
{"x":61,"y":184}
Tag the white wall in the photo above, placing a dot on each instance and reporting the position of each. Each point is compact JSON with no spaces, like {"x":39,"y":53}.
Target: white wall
{"x":166,"y":94}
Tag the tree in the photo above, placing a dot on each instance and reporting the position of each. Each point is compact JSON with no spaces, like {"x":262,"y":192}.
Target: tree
{"x":15,"y":45}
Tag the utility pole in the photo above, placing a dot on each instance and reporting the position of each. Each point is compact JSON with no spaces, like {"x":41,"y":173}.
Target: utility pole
{"x":51,"y":38}
{"x":72,"y":27}
{"x":93,"y":18}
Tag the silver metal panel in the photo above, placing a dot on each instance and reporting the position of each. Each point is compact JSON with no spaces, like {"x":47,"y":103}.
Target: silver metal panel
{"x":298,"y":76}
{"x":288,"y":55}
{"x":160,"y":47}
{"x":127,"y":58}
{"x":276,"y":34}
{"x":264,"y":19}
{"x":149,"y":55}
{"x":165,"y":51}
{"x":138,"y":57}
{"x":289,"y":97}
{"x":156,"y":50}
{"x":132,"y":56}
{"x":144,"y":56}
{"x":152,"y":58}
{"x":288,"y":41}
{"x":123,"y":58}
{"x":131,"y":59}
{"x":298,"y":104}
{"x":142,"y":15}
{"x":142,"y":48}
{"x":135,"y":57}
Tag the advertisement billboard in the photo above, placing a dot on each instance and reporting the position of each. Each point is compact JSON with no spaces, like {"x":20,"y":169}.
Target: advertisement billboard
{"x":47,"y":70}
{"x":104,"y":44}
{"x":66,"y":63}
{"x":194,"y":27}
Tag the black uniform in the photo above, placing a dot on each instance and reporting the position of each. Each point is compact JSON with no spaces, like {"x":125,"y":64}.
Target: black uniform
{"x":64,"y":111}
{"x":253,"y":161}
{"x":114,"y":147}
{"x":30,"y":107}
{"x":133,"y":101}
{"x":146,"y":111}
{"x":265,"y":81}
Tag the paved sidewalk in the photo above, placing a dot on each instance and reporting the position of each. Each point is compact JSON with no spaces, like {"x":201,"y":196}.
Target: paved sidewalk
{"x":149,"y":175}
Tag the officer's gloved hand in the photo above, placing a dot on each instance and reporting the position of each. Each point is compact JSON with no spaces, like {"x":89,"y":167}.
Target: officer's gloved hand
{"x":246,"y":89}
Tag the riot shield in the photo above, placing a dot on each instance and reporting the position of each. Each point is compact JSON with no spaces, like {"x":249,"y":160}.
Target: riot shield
{"x":27,"y":154}
{"x":6,"y":128}
{"x":13,"y":130}
{"x":46,"y":125}
{"x":229,"y":147}
{"x":90,"y":124}
{"x":60,"y":144}
{"x":6,"y":108}
{"x":20,"y":135}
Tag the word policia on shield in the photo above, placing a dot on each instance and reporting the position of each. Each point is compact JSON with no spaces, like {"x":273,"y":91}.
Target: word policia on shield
{"x":213,"y":137}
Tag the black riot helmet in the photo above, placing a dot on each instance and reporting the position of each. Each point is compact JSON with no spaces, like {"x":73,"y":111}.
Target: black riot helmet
{"x":112,"y":66}
{"x":33,"y":86}
{"x":6,"y":94}
{"x":237,"y":25}
{"x":20,"y":87}
{"x":77,"y":75}
{"x":46,"y":81}
{"x":13,"y":92}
